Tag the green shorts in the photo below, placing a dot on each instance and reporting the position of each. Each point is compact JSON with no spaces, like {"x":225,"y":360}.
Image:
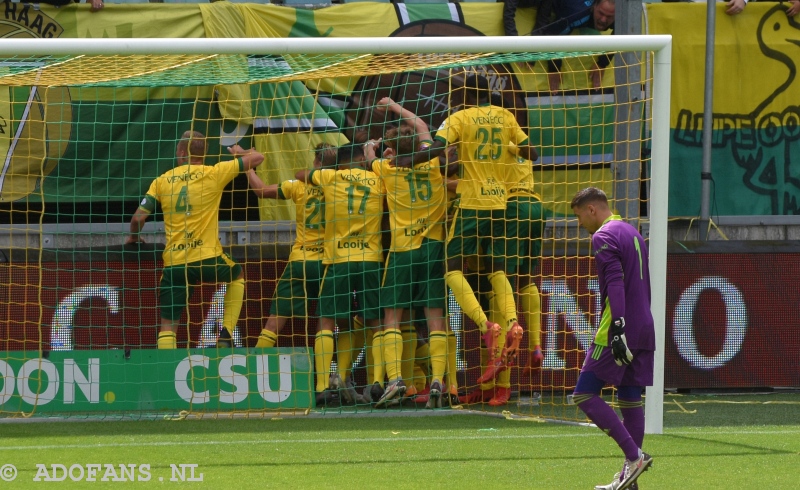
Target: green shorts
{"x":341,"y":281}
{"x":298,"y":285}
{"x":524,"y":226}
{"x":415,"y":277}
{"x":474,"y":230}
{"x":178,"y":282}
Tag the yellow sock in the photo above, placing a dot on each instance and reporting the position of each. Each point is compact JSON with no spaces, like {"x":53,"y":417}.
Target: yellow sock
{"x":232,"y":304}
{"x":421,"y":367}
{"x":465,"y":297}
{"x":369,"y":363}
{"x":267,"y":339}
{"x":392,"y":352}
{"x":344,"y":353}
{"x":409,"y":349}
{"x":495,"y":313}
{"x":167,"y":340}
{"x":531,"y":304}
{"x":452,"y":368}
{"x":438,"y":348}
{"x":378,"y":368}
{"x":323,"y":355}
{"x":505,"y":296}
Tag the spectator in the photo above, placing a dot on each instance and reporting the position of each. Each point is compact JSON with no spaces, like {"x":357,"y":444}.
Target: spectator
{"x":561,"y":17}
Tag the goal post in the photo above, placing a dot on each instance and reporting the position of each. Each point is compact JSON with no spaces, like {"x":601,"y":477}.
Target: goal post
{"x":292,"y":87}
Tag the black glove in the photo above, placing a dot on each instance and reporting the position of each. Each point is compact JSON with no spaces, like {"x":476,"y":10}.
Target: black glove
{"x":619,"y":346}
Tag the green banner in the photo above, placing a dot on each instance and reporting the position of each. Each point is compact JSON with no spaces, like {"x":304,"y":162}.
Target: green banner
{"x":198,"y":380}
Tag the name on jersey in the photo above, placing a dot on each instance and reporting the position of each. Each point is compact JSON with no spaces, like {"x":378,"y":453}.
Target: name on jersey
{"x":358,"y":179}
{"x":314,"y":191}
{"x":492,"y":188}
{"x":415,"y":231}
{"x":178,"y":247}
{"x":185,"y":177}
{"x":312,"y":248}
{"x":487,"y":120}
{"x":353,"y":244}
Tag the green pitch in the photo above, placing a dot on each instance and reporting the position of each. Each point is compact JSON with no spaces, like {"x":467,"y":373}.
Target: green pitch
{"x":709,"y":442}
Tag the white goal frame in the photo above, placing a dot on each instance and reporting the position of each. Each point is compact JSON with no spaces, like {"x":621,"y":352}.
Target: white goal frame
{"x":660,"y":45}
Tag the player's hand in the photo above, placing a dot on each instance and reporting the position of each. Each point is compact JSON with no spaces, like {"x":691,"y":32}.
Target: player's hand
{"x":133,"y":239}
{"x":735,"y":7}
{"x":794,"y":9}
{"x":596,"y":77}
{"x":619,"y":345}
{"x":97,"y":5}
{"x":236,"y":150}
{"x":385,"y":103}
{"x":554,"y":81}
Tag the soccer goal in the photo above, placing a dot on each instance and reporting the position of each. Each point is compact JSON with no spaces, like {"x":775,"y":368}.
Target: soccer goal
{"x":87,"y":125}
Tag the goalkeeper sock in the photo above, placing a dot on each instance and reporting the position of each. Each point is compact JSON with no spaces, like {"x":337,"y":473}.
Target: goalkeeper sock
{"x":166,"y":340}
{"x":323,"y":355}
{"x":633,"y":419}
{"x":409,"y":334}
{"x":504,"y":296}
{"x":392,"y":352}
{"x":378,"y":370}
{"x":267,"y":339}
{"x":344,"y":353}
{"x":531,"y":303}
{"x":438,"y":349}
{"x":232,"y":304}
{"x":465,"y":297}
{"x":606,"y":419}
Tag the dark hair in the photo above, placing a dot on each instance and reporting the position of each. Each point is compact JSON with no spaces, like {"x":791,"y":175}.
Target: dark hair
{"x":402,"y":140}
{"x":588,"y":196}
{"x":477,"y":87}
{"x":349,"y":152}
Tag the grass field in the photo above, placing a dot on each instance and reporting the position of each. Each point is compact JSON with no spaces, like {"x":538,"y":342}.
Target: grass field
{"x":730,"y":442}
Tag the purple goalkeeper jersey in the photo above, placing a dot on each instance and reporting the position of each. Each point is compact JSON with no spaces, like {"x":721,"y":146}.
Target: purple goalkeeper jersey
{"x":621,"y":260}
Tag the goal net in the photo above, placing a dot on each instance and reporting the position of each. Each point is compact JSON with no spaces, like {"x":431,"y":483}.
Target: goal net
{"x":87,"y":129}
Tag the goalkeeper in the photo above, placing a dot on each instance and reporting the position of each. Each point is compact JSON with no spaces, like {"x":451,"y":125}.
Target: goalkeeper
{"x":189,"y":195}
{"x":623,"y":348}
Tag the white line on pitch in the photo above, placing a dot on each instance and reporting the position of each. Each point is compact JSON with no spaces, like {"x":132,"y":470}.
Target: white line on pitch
{"x":704,"y":432}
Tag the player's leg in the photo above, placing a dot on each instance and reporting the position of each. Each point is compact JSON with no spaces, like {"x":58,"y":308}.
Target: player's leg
{"x":224,"y":269}
{"x":335,"y":301}
{"x":283,"y":303}
{"x":598,"y":367}
{"x":368,"y":297}
{"x":529,"y":298}
{"x":462,"y":241}
{"x":500,"y":385}
{"x":504,"y":249}
{"x":395,"y":295}
{"x":345,"y":341}
{"x":409,"y":334}
{"x":173,"y":295}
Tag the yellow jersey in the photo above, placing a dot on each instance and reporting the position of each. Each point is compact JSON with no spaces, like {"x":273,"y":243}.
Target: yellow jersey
{"x":353,"y":212}
{"x":189,"y":196}
{"x":484,"y":135}
{"x":519,"y":179}
{"x":417,"y":202}
{"x":309,"y":209}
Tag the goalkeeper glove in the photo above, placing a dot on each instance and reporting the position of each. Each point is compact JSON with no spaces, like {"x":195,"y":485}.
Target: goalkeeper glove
{"x":619,"y":346}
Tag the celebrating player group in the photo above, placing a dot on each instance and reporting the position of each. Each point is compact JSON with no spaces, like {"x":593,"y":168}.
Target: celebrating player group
{"x":383,"y":299}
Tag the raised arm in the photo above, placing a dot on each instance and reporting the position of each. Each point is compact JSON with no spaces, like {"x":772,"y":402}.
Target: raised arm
{"x":303,"y":176}
{"x":250,"y":158}
{"x":408,"y":117}
{"x":259,"y":188}
{"x":421,"y":156}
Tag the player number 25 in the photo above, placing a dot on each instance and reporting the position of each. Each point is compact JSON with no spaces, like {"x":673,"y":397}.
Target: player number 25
{"x":495,"y":142}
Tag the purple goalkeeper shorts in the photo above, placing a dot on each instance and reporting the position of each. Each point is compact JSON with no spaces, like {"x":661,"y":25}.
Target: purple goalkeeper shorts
{"x":600,"y":361}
